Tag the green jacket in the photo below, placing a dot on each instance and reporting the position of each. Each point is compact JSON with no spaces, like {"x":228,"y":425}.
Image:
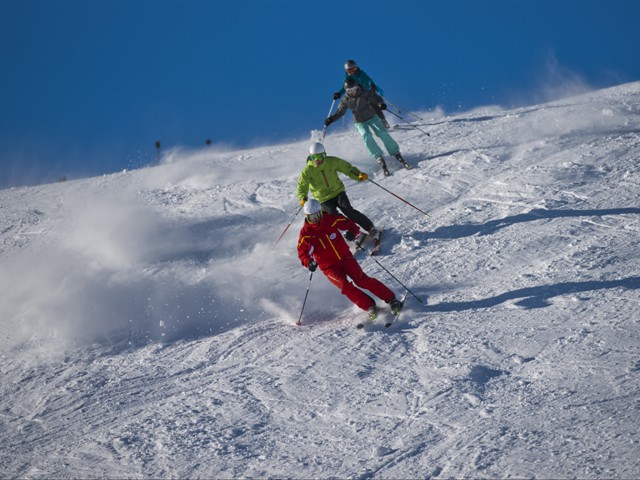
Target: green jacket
{"x":323,"y":180}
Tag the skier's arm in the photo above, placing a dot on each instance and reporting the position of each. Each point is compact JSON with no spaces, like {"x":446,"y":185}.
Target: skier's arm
{"x":340,"y":111}
{"x":375,"y":99}
{"x":304,"y":250}
{"x":365,"y":80}
{"x":371,"y":85}
{"x":302,"y":190}
{"x":345,"y":224}
{"x":348,"y":169}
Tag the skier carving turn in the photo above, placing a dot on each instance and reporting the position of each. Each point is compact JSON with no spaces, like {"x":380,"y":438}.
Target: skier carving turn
{"x":321,"y":244}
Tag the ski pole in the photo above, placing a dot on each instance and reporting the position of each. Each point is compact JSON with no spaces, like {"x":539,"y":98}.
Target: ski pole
{"x":400,"y":110}
{"x":399,"y":198}
{"x":392,"y":276}
{"x":287,"y":228}
{"x":409,"y":123}
{"x":299,"y":322}
{"x":324,"y":130}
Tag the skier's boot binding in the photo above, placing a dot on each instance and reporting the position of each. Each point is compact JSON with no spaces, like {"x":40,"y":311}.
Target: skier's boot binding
{"x":385,"y":170}
{"x":404,"y":163}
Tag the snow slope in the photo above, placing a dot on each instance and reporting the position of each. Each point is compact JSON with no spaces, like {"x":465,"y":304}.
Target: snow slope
{"x":148,"y":320}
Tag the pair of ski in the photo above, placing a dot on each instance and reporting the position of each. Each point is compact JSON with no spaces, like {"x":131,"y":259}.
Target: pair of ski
{"x":389,"y":321}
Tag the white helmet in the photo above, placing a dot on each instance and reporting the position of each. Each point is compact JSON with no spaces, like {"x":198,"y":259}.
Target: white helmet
{"x":312,"y":206}
{"x":316,"y":148}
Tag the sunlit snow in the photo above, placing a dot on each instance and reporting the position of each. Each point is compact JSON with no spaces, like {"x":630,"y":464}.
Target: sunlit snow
{"x":148,"y":320}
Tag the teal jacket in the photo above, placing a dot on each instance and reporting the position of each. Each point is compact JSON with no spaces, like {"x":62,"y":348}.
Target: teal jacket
{"x":323,"y":180}
{"x":363,"y":79}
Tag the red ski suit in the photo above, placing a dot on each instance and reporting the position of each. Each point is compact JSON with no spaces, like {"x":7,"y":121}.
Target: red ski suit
{"x":324,"y":243}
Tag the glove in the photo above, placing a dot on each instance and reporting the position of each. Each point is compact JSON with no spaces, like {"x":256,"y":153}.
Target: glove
{"x":312,"y":265}
{"x":328,"y":122}
{"x":336,"y":95}
{"x":363,"y":176}
{"x":382,"y":106}
{"x":350,"y":236}
{"x":303,"y":200}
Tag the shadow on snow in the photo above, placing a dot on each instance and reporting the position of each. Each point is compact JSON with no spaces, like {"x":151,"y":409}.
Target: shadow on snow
{"x":492,"y":226}
{"x":537,"y":297}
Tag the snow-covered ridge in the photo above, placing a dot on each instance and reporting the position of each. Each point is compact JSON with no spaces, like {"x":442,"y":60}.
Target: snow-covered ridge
{"x":148,"y":318}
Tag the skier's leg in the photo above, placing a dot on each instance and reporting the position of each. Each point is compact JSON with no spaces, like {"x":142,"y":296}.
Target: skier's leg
{"x":363,"y":129}
{"x":330,"y":206}
{"x":389,"y":143}
{"x":382,"y":118}
{"x":362,"y":280}
{"x":338,"y":277}
{"x":345,"y":207}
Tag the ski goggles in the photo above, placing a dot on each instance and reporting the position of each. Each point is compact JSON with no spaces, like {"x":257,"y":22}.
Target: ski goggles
{"x":353,"y":91}
{"x":318,"y":158}
{"x":315,"y":217}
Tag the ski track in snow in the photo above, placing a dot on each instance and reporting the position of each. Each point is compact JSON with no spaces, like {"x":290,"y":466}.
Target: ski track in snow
{"x":148,"y":319}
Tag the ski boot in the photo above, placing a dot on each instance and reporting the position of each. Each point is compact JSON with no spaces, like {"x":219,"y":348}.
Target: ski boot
{"x":383,"y":164}
{"x":375,"y":234}
{"x":359,"y":240}
{"x":402,"y":161}
{"x":372,"y":314}
{"x":396,"y":306}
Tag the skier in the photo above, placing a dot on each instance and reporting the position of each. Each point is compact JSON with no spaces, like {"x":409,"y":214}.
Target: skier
{"x":353,"y":71}
{"x":320,"y":175}
{"x":321,"y":244}
{"x":361,"y":103}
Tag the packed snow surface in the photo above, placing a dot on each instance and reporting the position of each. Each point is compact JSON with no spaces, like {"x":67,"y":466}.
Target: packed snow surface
{"x":148,"y":317}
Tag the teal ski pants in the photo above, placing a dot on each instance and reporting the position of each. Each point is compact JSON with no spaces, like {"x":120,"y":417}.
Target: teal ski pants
{"x":374,"y":125}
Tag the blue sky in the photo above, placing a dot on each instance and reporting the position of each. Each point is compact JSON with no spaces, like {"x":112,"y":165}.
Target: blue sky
{"x":88,"y":87}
